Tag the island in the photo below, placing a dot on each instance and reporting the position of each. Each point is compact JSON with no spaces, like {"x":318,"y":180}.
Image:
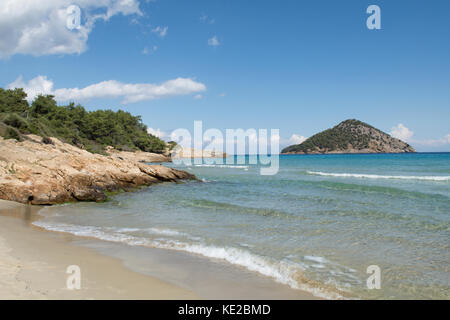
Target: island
{"x":350,"y":136}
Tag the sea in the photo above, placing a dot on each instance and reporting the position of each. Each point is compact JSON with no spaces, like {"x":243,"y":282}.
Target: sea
{"x":359,"y":226}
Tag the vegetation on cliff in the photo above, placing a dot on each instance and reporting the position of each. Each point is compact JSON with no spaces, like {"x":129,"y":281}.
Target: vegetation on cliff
{"x":350,"y":136}
{"x":90,"y":130}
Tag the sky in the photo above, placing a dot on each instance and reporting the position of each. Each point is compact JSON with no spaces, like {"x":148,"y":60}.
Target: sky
{"x":297,"y":66}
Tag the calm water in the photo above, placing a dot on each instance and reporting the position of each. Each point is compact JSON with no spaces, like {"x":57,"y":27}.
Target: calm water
{"x":316,"y":225}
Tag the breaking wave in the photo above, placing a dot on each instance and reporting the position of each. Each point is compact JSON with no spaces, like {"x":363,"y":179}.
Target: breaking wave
{"x":285,"y":272}
{"x":376,"y":176}
{"x":222,"y":166}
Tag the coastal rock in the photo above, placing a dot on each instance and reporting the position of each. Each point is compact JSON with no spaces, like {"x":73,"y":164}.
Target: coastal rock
{"x":350,"y":136}
{"x":182,"y":152}
{"x":137,"y":156}
{"x":38,"y":173}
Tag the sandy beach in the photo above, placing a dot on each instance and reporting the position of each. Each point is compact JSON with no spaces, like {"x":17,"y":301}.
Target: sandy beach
{"x":33,"y":265}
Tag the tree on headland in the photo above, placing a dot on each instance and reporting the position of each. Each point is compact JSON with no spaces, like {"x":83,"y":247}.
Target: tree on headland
{"x":91,"y":130}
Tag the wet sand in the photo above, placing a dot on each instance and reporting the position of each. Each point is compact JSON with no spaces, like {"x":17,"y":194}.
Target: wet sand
{"x":33,"y":264}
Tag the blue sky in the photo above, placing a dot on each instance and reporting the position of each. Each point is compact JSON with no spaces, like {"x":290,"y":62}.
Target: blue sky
{"x":299,"y":66}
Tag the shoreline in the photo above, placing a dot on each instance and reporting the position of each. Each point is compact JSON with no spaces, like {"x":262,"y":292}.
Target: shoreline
{"x":33,"y":265}
{"x":34,"y":262}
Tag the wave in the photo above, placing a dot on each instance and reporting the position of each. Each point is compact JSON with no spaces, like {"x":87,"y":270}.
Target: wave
{"x":215,"y":205}
{"x":284,"y":272}
{"x":425,"y":223}
{"x":376,"y":176}
{"x":221,"y":166}
{"x":155,"y":231}
{"x":390,"y":191}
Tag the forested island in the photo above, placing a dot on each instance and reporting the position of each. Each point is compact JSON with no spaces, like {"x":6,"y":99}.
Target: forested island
{"x":350,"y":136}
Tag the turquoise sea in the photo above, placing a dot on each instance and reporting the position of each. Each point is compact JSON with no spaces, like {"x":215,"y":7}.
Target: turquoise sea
{"x":316,"y":225}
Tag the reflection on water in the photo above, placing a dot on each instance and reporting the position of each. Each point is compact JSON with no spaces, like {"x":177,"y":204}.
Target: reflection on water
{"x":26,"y":215}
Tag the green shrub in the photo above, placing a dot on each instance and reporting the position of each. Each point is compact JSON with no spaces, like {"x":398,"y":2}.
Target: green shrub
{"x":12,"y":133}
{"x":47,"y":140}
{"x":16,"y":121}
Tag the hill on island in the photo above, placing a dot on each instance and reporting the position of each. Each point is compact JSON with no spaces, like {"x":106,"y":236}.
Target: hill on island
{"x":89,"y":130}
{"x":350,"y":136}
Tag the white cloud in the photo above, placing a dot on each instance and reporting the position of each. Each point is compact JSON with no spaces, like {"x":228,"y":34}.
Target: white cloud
{"x":214,"y":42}
{"x":296,"y":139}
{"x":223,"y":94}
{"x":158,"y":133}
{"x":34,"y":87}
{"x":206,"y":19}
{"x":40,"y":27}
{"x":151,"y":50}
{"x":447,"y":138}
{"x":160,"y":31}
{"x":401,"y":132}
{"x":129,"y":93}
{"x":198,"y":97}
{"x":432,"y":142}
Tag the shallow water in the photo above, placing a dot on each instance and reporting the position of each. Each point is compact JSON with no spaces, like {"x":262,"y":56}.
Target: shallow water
{"x":316,"y":225}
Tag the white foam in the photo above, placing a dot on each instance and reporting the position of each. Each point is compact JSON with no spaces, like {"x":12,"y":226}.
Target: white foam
{"x":376,"y":176}
{"x":156,"y":231}
{"x":125,"y":230}
{"x":283,"y":272}
{"x":316,"y":259}
{"x":221,"y":166}
{"x":165,"y":232}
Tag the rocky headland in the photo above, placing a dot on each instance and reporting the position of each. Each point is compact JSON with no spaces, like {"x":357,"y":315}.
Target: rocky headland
{"x":48,"y":171}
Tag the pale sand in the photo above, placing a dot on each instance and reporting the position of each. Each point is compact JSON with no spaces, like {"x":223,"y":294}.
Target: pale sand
{"x":33,"y":265}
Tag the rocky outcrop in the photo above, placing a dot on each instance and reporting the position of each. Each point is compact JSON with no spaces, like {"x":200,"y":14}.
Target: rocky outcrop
{"x":137,"y":156}
{"x":350,"y":136}
{"x":181,"y":152}
{"x":35,"y":172}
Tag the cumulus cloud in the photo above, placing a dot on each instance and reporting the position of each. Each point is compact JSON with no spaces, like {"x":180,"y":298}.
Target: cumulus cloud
{"x":206,"y":19}
{"x":296,"y":139}
{"x":34,"y":87}
{"x":432,"y":142}
{"x":167,"y":136}
{"x":129,"y":93}
{"x":447,"y":138}
{"x":160,"y":31}
{"x":214,"y":42}
{"x":401,"y":132}
{"x":159,"y":133}
{"x":40,"y":27}
{"x":148,"y":50}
